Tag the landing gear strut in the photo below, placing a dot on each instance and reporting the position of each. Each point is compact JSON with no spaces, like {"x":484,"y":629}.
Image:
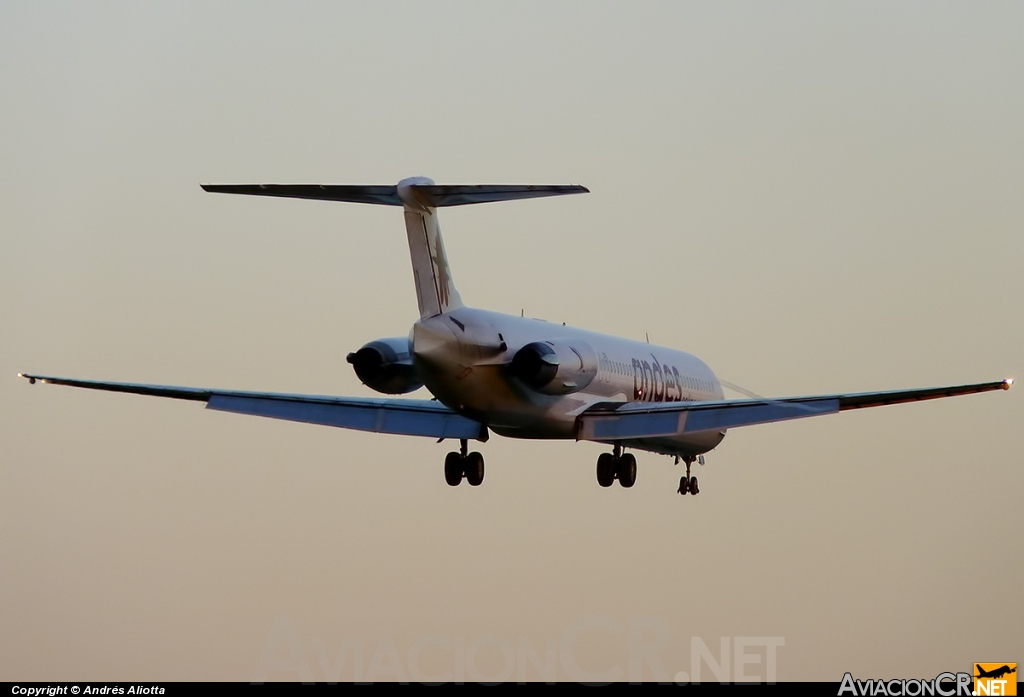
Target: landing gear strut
{"x":688,"y":484}
{"x":464,"y":464}
{"x":616,"y":465}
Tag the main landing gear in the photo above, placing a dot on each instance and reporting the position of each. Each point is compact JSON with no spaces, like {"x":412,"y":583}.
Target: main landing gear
{"x":688,"y":484}
{"x":616,"y":465}
{"x":462,"y":464}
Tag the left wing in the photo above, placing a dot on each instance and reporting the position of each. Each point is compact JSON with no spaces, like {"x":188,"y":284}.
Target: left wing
{"x":410,"y":417}
{"x":606,"y":422}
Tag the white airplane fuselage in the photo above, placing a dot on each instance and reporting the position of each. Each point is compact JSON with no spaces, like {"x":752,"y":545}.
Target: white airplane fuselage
{"x":463,"y":357}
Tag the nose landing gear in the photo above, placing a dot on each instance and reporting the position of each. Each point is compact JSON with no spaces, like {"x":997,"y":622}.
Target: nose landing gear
{"x":616,"y":465}
{"x":464,"y":464}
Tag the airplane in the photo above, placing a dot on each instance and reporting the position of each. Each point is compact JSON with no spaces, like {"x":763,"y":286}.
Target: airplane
{"x":515,"y":376}
{"x":996,"y":673}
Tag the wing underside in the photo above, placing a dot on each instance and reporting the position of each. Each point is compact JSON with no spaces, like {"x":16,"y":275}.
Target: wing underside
{"x":410,"y":417}
{"x":640,"y":420}
{"x":608,"y":422}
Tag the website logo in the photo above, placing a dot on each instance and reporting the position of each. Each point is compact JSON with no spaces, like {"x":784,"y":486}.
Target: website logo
{"x":995,"y":679}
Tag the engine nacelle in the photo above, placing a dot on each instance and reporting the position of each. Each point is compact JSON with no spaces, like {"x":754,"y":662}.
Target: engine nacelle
{"x":555,"y":368}
{"x":386,"y":366}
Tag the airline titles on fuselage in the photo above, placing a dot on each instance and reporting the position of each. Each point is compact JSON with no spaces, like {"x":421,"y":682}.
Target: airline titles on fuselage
{"x":654,"y":381}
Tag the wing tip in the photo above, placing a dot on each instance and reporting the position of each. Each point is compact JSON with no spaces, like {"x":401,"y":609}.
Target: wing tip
{"x":31,"y":378}
{"x":1007,"y":383}
{"x":221,"y":188}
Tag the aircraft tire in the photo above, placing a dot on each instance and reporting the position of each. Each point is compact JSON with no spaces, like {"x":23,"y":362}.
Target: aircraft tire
{"x":684,"y":486}
{"x":453,"y":468}
{"x":693,"y":486}
{"x":605,"y":469}
{"x":475,"y":469}
{"x":627,"y":470}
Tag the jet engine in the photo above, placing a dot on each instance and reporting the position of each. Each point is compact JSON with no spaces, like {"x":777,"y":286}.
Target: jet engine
{"x":555,"y":368}
{"x":386,"y":366}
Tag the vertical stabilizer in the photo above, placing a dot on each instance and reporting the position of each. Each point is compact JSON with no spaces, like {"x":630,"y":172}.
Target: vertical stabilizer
{"x":435,"y":290}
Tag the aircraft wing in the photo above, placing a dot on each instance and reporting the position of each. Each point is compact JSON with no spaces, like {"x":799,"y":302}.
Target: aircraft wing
{"x":410,"y":417}
{"x":622,"y":421}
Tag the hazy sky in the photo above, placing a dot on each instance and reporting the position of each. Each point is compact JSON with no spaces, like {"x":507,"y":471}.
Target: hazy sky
{"x":811,"y":197}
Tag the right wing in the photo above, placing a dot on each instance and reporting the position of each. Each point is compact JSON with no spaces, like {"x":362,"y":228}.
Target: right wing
{"x":410,"y":417}
{"x":621,"y":421}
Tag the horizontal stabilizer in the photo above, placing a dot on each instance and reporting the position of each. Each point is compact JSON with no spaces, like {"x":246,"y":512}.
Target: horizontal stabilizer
{"x":384,"y":195}
{"x":438,"y":195}
{"x":433,"y":195}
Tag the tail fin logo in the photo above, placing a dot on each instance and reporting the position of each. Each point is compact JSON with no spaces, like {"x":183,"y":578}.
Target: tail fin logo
{"x":995,"y":679}
{"x":442,"y":277}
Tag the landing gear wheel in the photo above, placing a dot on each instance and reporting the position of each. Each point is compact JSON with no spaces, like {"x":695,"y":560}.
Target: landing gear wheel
{"x":684,"y":485}
{"x":453,"y":468}
{"x":693,"y":486}
{"x":626,"y":470}
{"x":475,"y":469}
{"x":605,"y":469}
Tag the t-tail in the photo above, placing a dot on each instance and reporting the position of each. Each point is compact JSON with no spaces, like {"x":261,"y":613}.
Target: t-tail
{"x":420,"y":197}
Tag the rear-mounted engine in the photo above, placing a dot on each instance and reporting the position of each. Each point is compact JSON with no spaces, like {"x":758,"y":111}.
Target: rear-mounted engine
{"x":555,"y":368}
{"x":386,"y":366}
